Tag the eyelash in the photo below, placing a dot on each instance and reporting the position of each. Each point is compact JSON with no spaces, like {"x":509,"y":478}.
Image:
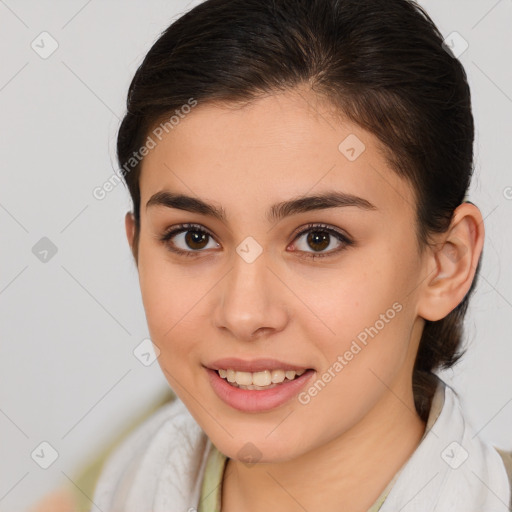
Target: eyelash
{"x":181,"y":228}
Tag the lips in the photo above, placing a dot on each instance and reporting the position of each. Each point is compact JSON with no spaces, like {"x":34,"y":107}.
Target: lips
{"x":256,"y":365}
{"x":254,"y":398}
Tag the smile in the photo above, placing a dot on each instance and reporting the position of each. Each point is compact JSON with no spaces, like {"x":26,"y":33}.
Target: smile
{"x":257,"y":386}
{"x":265,"y":379}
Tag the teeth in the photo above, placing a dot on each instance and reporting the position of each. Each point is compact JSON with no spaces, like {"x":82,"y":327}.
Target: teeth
{"x":258,"y":380}
{"x":278,"y":376}
{"x":243,"y":378}
{"x":261,"y":378}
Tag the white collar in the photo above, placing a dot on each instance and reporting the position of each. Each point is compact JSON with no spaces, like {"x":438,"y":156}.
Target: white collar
{"x":160,"y":466}
{"x":452,"y":469}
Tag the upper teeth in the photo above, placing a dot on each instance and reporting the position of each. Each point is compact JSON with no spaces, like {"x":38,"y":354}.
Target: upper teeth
{"x":264,"y":378}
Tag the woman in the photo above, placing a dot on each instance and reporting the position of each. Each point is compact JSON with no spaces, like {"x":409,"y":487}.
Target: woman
{"x":306,"y":253}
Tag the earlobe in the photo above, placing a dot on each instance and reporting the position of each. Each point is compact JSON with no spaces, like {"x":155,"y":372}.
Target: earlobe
{"x":454,"y":260}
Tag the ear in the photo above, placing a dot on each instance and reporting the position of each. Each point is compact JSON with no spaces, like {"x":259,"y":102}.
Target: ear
{"x":129,"y":224}
{"x":451,"y":263}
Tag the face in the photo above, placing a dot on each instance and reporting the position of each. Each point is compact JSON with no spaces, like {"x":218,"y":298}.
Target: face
{"x":325,"y":287}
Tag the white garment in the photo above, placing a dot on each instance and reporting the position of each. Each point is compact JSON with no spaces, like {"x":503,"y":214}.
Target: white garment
{"x":452,"y":469}
{"x":160,"y":467}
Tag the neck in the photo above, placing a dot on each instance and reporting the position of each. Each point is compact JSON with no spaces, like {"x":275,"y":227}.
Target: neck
{"x":348,"y":473}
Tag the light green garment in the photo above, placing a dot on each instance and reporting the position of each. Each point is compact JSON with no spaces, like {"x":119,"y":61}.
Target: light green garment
{"x":211,"y":488}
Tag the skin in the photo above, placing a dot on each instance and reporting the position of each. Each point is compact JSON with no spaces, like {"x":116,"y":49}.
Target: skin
{"x":346,"y":444}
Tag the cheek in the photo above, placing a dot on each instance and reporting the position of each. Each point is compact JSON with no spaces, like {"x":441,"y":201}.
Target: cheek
{"x":360,"y":362}
{"x":344,"y":302}
{"x":171,"y":295}
{"x":176,"y":321}
{"x":367,"y":317}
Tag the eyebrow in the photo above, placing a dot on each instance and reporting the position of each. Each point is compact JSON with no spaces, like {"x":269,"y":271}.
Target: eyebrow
{"x":278,"y":211}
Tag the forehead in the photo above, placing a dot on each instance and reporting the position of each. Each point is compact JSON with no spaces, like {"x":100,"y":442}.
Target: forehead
{"x":276,"y":147}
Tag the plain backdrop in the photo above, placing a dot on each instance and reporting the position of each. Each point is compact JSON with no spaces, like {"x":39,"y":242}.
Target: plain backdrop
{"x":71,"y":313}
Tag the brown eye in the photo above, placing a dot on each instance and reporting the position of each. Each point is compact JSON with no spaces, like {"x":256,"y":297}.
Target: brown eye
{"x":196,"y":239}
{"x":318,"y":239}
{"x":188,"y":239}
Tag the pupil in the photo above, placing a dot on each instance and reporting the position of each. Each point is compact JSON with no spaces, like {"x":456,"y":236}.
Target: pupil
{"x":322,"y":239}
{"x":195,"y":237}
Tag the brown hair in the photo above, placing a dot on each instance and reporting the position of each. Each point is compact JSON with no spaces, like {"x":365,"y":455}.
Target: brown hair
{"x":381,"y":62}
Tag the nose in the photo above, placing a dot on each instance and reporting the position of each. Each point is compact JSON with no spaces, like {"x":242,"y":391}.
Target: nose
{"x":251,"y":301}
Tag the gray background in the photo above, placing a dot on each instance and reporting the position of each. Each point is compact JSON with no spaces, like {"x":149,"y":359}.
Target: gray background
{"x":70,"y":324}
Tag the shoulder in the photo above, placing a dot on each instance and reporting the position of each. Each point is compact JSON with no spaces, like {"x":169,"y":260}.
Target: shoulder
{"x":507,"y":461}
{"x":160,"y":445}
{"x":139,"y":438}
{"x":506,"y":456}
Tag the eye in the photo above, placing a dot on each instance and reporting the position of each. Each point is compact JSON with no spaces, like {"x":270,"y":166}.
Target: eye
{"x":189,"y":239}
{"x":320,"y":237}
